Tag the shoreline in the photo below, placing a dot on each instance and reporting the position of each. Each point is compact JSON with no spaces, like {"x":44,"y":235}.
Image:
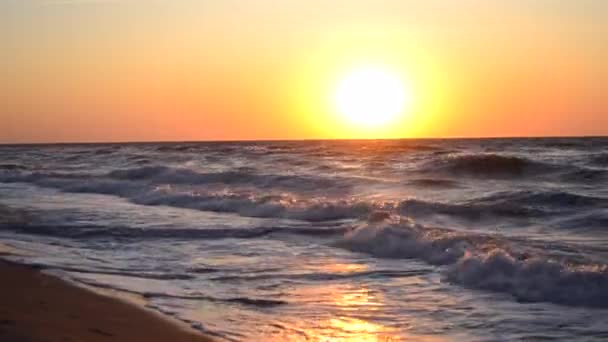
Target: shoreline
{"x":35,"y":306}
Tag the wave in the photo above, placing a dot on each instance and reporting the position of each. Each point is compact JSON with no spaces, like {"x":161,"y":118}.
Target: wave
{"x":533,"y":279}
{"x":517,"y":204}
{"x":600,"y":159}
{"x":596,"y":221}
{"x":585,"y":175}
{"x":104,"y":232}
{"x":117,"y":272}
{"x":406,"y":239}
{"x":434,"y":183}
{"x":484,"y":262}
{"x":321,"y":276}
{"x":13,"y":217}
{"x":167,"y":175}
{"x":471,"y":210}
{"x":547,"y":199}
{"x":11,"y":167}
{"x":239,"y":300}
{"x":170,"y":175}
{"x":259,"y":302}
{"x":513,"y":204}
{"x":246,"y":203}
{"x":250,"y":203}
{"x":107,"y":150}
{"x":255,"y":301}
{"x":179,"y":148}
{"x":159,"y":185}
{"x":566,"y":143}
{"x":488,"y":165}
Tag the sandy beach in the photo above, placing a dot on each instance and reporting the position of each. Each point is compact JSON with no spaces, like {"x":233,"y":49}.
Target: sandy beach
{"x":39,"y":307}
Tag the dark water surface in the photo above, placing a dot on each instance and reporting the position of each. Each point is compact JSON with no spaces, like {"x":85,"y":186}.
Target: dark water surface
{"x":468,"y":240}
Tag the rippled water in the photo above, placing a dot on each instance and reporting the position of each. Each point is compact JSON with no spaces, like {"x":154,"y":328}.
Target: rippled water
{"x":469,"y":240}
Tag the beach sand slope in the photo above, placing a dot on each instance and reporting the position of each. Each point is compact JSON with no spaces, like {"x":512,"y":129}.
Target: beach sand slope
{"x":39,"y":307}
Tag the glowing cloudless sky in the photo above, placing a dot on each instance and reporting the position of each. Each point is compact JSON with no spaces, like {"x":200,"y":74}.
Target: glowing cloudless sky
{"x":130,"y":70}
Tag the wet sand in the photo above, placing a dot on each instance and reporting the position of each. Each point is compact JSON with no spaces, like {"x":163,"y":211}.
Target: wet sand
{"x":38,"y":307}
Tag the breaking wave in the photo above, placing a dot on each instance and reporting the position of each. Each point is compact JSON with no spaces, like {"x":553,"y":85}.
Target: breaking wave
{"x":533,"y":279}
{"x":484,"y":262}
{"x":406,"y":239}
{"x":252,"y":203}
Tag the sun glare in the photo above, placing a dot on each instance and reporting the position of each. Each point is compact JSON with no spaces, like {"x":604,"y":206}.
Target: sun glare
{"x":372,"y":97}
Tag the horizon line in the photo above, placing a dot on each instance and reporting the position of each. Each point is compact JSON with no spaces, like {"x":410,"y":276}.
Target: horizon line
{"x":135,"y":142}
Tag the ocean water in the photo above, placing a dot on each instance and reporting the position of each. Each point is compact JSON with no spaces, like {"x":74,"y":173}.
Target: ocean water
{"x":401,"y":240}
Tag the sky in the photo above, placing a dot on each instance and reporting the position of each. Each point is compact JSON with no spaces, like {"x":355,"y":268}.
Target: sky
{"x":157,"y":70}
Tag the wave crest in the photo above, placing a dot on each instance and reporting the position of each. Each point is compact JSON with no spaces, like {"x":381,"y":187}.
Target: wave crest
{"x":489,"y":165}
{"x":251,"y":205}
{"x":534,"y":279}
{"x":402,"y":238}
{"x":169,"y":175}
{"x":483,"y":262}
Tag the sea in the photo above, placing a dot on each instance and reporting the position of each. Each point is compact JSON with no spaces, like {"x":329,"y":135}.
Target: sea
{"x":345,"y":240}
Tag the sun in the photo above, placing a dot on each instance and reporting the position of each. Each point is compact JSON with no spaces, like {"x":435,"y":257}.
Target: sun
{"x":372,"y":96}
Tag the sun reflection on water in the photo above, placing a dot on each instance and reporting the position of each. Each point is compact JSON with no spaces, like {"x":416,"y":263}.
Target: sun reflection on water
{"x":346,"y":309}
{"x":353,"y":329}
{"x":355,"y":301}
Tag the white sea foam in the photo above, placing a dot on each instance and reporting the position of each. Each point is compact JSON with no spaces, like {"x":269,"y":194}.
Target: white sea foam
{"x":483,"y":262}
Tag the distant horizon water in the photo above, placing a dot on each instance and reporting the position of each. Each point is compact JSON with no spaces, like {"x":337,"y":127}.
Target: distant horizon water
{"x":101,"y":142}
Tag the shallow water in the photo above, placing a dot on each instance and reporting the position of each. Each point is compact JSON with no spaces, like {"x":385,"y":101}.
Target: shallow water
{"x":430,"y":240}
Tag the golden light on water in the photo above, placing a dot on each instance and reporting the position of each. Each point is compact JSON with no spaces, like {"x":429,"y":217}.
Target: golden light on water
{"x":359,"y":330}
{"x":348,"y":323}
{"x":350,"y":310}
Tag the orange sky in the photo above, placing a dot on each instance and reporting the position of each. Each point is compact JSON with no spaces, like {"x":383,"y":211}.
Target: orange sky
{"x":130,"y":70}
